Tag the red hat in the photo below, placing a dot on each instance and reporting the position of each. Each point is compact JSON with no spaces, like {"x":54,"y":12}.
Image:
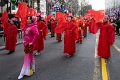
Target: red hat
{"x":111,"y":17}
{"x":38,"y":14}
{"x":34,"y":18}
{"x":106,"y":16}
{"x":70,"y":15}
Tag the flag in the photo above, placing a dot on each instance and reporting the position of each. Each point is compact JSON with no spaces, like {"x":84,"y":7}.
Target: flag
{"x":61,"y":17}
{"x":31,"y":12}
{"x":4,"y":18}
{"x":22,"y":13}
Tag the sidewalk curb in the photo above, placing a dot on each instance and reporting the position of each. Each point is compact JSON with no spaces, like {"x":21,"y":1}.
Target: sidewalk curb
{"x":18,"y":43}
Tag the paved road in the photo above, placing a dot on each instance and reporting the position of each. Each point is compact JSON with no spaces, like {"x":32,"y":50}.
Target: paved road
{"x":113,"y":64}
{"x":53,"y":65}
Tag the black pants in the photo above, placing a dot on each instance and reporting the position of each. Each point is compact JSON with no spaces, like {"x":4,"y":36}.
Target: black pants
{"x":117,"y":30}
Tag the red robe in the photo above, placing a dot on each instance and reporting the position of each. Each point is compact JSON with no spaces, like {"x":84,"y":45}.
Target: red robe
{"x":79,"y":25}
{"x":70,"y":36}
{"x":43,"y":31}
{"x":53,"y":25}
{"x":113,"y":34}
{"x":58,"y":37}
{"x":11,"y":31}
{"x":85,"y":25}
{"x":105,"y":39}
{"x":90,"y":24}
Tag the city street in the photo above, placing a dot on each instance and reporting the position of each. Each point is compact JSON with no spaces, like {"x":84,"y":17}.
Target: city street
{"x":29,"y":19}
{"x":52,"y":64}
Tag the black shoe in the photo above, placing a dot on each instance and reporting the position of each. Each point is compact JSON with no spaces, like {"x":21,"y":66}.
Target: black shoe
{"x":59,"y":40}
{"x":72,"y":54}
{"x":52,"y":36}
{"x":11,"y":51}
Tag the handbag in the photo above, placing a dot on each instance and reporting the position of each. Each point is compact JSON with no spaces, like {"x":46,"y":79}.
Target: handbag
{"x":28,"y":48}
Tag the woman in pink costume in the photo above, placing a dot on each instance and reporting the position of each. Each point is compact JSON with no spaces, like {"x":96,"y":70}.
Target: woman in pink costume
{"x":30,"y":37}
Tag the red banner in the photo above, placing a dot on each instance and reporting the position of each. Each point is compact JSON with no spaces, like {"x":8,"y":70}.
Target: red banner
{"x":22,"y":13}
{"x":4,"y":18}
{"x":97,"y":15}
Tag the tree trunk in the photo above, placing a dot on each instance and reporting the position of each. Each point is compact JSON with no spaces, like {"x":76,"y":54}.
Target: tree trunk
{"x":38,"y":5}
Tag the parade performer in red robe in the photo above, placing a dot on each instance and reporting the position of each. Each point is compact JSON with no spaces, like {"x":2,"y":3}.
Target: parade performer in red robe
{"x":10,"y":31}
{"x":53,"y":25}
{"x":43,"y":31}
{"x":70,"y":35}
{"x":58,"y":35}
{"x":85,"y":25}
{"x":90,"y":24}
{"x":113,"y":32}
{"x":105,"y":37}
{"x":79,"y":25}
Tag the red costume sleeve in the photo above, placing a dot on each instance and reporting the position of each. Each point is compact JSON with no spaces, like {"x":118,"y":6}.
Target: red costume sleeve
{"x":75,"y":31}
{"x":61,"y":17}
{"x":6,"y":25}
{"x":60,"y":28}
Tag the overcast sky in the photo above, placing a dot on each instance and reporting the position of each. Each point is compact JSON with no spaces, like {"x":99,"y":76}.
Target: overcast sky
{"x":97,"y":4}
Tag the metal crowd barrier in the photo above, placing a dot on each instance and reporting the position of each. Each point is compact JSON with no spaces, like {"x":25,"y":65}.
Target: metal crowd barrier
{"x":19,"y":34}
{"x":1,"y":34}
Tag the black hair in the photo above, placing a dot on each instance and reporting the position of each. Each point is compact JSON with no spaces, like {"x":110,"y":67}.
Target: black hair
{"x":31,"y":18}
{"x":10,"y":21}
{"x":70,"y":16}
{"x":111,"y":21}
{"x":39,"y":18}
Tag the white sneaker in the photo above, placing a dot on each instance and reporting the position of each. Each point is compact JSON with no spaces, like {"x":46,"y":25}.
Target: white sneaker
{"x":20,"y":77}
{"x":33,"y":69}
{"x":68,"y":55}
{"x":37,"y":53}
